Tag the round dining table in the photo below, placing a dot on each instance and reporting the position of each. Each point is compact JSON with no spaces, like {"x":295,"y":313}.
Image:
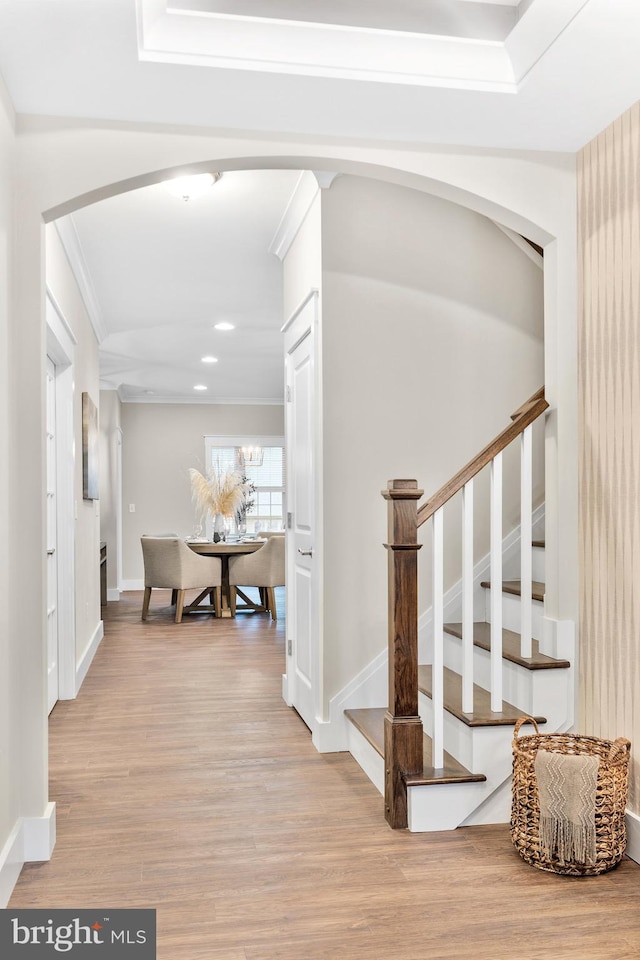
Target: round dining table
{"x":224,"y":549}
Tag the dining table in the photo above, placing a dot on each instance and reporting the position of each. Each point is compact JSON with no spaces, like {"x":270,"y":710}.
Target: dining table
{"x":224,"y":549}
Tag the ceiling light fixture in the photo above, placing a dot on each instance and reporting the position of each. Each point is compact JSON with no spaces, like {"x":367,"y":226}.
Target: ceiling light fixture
{"x":225,"y":325}
{"x":209,"y":359}
{"x":199,"y":386}
{"x":195,"y":185}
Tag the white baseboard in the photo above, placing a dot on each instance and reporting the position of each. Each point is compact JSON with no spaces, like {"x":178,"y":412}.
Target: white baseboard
{"x":40,"y":834}
{"x":113,"y":594}
{"x":370,"y":688}
{"x":31,"y":839}
{"x":88,"y":655}
{"x":132,"y":585}
{"x":11,"y":863}
{"x":632,"y":821}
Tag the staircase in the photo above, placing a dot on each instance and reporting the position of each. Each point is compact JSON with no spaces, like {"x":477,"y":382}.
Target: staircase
{"x":448,"y":729}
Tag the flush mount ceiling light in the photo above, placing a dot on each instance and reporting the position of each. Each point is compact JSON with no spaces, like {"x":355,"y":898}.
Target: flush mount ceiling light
{"x":199,"y":386}
{"x":195,"y":185}
{"x":209,"y":359}
{"x":224,"y":325}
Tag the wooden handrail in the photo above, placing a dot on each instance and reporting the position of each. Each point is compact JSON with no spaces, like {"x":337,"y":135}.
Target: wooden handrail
{"x":524,"y":415}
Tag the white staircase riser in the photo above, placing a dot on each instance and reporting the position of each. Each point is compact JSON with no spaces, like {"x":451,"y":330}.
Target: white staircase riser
{"x":537,"y":564}
{"x":442,"y":806}
{"x":366,"y":756}
{"x":511,"y":613}
{"x":535,"y":691}
{"x":495,"y":808}
{"x":479,"y":749}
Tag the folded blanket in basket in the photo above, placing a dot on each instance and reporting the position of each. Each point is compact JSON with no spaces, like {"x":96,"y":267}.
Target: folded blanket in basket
{"x":567,"y":792}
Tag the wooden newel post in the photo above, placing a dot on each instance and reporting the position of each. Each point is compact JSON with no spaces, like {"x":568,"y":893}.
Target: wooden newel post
{"x":402,"y":724}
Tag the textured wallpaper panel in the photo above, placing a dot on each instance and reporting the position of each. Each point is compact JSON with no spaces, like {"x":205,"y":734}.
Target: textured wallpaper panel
{"x":609,"y":404}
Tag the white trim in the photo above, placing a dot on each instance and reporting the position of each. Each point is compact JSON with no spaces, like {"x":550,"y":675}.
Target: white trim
{"x":88,"y":655}
{"x":522,"y":244}
{"x":219,"y":401}
{"x":370,"y":688}
{"x":304,"y":193}
{"x":113,"y":594}
{"x":286,"y":326}
{"x":70,"y":241}
{"x":243,"y":440}
{"x":40,"y":835}
{"x":61,"y":344}
{"x":64,"y":333}
{"x":11,"y":862}
{"x":119,"y":439}
{"x":632,"y":821}
{"x":131,"y":585}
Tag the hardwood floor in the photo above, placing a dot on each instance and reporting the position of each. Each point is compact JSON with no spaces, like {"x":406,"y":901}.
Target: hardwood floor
{"x":184,"y":783}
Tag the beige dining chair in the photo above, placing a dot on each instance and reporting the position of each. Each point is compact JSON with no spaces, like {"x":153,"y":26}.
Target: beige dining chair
{"x":263,"y":569}
{"x":170,"y":564}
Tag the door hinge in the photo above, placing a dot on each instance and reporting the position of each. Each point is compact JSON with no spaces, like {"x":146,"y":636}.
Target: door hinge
{"x":289,"y":393}
{"x":289,"y":521}
{"x":290,"y":646}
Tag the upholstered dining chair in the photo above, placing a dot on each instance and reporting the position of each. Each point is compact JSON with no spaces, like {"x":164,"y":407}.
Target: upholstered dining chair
{"x":263,"y":569}
{"x":170,"y":564}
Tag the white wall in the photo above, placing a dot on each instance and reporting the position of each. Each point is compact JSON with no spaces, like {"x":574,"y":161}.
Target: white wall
{"x":9,"y":654}
{"x":432,"y":336}
{"x":62,"y":284}
{"x":161,"y":442}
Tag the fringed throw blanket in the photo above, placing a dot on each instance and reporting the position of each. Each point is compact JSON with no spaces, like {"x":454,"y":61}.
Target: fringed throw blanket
{"x":567,"y":791}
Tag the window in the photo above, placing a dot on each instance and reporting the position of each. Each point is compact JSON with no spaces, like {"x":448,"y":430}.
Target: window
{"x":224,"y":454}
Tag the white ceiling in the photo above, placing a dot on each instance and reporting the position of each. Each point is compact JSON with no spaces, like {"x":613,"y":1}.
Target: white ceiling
{"x":165,"y":271}
{"x":515,"y":74}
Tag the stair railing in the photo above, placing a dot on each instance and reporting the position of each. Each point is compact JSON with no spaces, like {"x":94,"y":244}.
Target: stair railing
{"x":403,"y":726}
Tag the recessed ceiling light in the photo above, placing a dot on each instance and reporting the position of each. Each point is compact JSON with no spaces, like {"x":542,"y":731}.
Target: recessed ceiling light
{"x":199,"y":386}
{"x":225,"y":326}
{"x":188,"y":188}
{"x":209,"y":359}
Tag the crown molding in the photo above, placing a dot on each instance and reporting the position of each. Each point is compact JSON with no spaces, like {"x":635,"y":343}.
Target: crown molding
{"x":70,"y":241}
{"x":192,"y":401}
{"x":522,"y":245}
{"x":307,"y":187}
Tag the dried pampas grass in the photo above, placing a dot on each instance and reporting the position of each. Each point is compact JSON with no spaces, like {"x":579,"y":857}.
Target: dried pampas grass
{"x":217,"y":494}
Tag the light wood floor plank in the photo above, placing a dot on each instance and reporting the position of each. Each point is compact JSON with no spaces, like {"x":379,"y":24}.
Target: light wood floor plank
{"x":184,"y":783}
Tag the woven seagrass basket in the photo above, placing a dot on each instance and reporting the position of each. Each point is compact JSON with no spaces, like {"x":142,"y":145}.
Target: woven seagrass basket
{"x":611,"y":798}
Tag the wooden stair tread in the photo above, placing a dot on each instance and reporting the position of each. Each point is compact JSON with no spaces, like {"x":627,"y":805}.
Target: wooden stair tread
{"x":538,"y":543}
{"x":483,"y":715}
{"x":510,"y":647}
{"x":370,"y":722}
{"x":513,"y":587}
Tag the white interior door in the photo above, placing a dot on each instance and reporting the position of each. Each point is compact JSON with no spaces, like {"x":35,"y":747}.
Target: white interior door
{"x":52,"y":528}
{"x":303,"y":633}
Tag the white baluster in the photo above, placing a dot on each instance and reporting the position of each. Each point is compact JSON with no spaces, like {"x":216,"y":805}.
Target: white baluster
{"x":437,"y":693}
{"x":467,"y":597}
{"x":496,"y":583}
{"x":526,"y":468}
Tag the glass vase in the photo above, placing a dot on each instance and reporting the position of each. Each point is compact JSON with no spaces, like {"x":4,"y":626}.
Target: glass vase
{"x":219,"y":528}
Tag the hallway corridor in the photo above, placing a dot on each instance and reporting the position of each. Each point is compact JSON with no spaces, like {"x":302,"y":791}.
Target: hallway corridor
{"x":184,"y":783}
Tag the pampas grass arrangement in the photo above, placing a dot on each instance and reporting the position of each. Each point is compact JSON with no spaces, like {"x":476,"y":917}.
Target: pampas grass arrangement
{"x":224,"y":493}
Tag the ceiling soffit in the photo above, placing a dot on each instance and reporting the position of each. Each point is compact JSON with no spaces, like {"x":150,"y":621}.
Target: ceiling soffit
{"x":464,"y":44}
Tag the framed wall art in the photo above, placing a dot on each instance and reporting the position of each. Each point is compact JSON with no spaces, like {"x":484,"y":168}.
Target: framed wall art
{"x":90,"y":444}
